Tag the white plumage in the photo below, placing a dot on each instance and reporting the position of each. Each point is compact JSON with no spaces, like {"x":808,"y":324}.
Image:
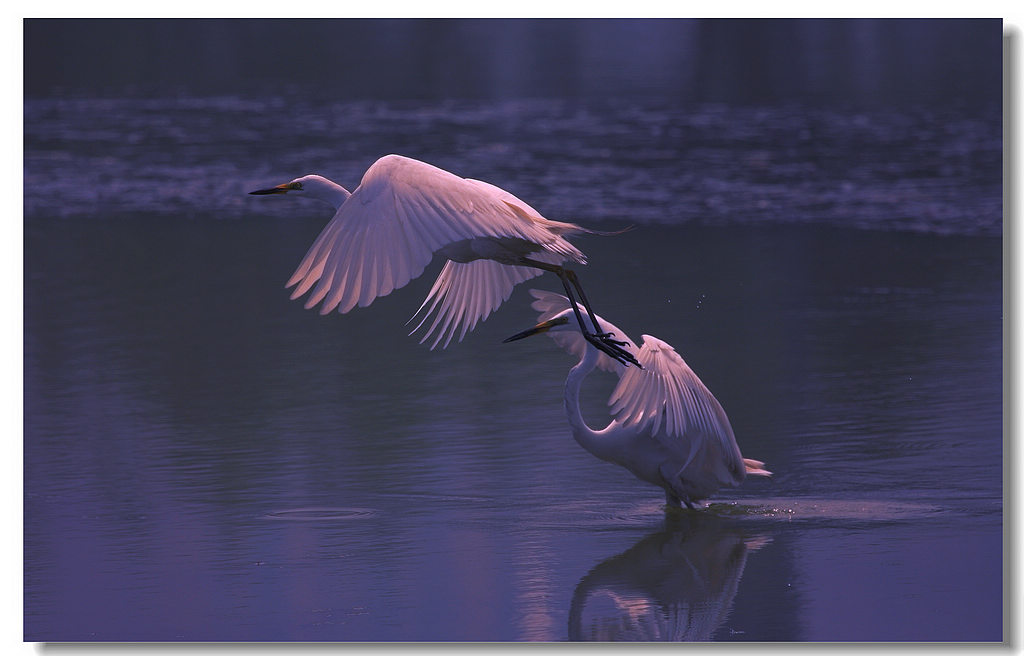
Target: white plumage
{"x":403,"y":213}
{"x":669,"y":430}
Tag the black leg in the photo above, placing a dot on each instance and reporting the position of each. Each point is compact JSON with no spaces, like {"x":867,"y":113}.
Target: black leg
{"x":601,"y":341}
{"x":605,"y":337}
{"x":574,"y":279}
{"x":674,"y":501}
{"x":572,"y":300}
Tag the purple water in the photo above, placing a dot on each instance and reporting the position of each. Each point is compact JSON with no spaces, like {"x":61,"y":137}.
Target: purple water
{"x":205,"y":460}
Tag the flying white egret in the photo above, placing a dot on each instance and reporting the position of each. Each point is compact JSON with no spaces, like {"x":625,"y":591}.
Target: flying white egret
{"x":403,"y":212}
{"x":668,"y":430}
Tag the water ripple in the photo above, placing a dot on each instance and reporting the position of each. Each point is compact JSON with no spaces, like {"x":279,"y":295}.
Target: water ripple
{"x":924,"y":171}
{"x":325,"y":514}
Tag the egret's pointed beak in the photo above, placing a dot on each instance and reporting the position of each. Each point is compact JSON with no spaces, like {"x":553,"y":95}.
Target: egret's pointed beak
{"x":279,"y":189}
{"x":542,"y":327}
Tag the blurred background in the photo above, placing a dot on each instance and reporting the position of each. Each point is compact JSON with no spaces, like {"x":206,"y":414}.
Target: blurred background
{"x":856,"y":61}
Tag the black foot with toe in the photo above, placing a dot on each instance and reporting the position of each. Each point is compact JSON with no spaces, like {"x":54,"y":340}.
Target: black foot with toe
{"x":612,"y":348}
{"x":607,"y":339}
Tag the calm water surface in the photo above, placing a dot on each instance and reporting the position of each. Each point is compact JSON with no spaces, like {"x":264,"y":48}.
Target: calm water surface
{"x":205,"y":460}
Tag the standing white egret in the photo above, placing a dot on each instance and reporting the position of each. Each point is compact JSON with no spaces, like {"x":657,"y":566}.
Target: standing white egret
{"x":669,"y":430}
{"x":403,"y":212}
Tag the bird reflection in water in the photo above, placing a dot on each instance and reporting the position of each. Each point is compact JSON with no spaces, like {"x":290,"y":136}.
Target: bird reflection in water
{"x":676,"y":585}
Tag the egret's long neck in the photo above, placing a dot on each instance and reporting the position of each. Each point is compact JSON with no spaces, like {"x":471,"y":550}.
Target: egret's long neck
{"x":587,"y":437}
{"x":330,"y":192}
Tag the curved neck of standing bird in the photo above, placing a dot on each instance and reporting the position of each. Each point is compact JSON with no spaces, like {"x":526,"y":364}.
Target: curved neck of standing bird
{"x":586,"y":436}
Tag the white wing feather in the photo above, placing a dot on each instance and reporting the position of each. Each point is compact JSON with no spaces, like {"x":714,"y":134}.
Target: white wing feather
{"x":666,"y":395}
{"x":466,"y":293}
{"x":684,"y":414}
{"x":404,"y":211}
{"x":549,"y":304}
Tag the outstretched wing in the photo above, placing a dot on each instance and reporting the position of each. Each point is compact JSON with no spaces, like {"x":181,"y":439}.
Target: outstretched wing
{"x":466,"y":293}
{"x":682,"y":412}
{"x":549,"y":304}
{"x":403,"y":211}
